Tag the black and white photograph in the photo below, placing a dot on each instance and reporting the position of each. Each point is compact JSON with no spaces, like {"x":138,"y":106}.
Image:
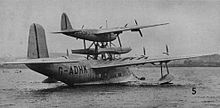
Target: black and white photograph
{"x":110,"y":54}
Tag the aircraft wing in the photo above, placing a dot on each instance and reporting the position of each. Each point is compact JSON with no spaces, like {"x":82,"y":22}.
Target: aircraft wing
{"x":121,"y":29}
{"x":136,"y":61}
{"x":41,"y":61}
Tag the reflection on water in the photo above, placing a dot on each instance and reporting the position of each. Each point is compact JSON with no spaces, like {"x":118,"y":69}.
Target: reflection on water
{"x":24,"y":89}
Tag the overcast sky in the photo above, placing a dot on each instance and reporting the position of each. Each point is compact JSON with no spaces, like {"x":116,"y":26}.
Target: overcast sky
{"x":193,"y":29}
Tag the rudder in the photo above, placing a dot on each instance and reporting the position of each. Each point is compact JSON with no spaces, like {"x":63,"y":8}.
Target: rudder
{"x":37,"y":46}
{"x":65,"y":22}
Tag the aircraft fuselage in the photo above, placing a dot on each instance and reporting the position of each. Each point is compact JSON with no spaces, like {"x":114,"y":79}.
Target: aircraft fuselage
{"x":90,"y":34}
{"x":82,"y":73}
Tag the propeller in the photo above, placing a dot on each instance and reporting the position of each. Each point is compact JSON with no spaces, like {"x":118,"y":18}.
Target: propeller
{"x":126,"y":25}
{"x":144,"y":51}
{"x":100,"y":27}
{"x":106,"y":23}
{"x":167,"y":50}
{"x":135,"y":21}
{"x":138,"y":29}
{"x":67,"y":52}
{"x":82,"y":26}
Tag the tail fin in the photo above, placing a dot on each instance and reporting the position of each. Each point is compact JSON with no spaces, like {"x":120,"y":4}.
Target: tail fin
{"x":37,"y":46}
{"x":65,"y":22}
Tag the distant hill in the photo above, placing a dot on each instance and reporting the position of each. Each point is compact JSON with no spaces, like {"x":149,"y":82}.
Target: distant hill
{"x":203,"y":61}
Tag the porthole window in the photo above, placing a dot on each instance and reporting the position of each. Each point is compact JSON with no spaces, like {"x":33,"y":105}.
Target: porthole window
{"x":119,"y":74}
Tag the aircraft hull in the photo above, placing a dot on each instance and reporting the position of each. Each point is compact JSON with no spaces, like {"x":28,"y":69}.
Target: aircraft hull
{"x":90,"y":36}
{"x":82,"y":73}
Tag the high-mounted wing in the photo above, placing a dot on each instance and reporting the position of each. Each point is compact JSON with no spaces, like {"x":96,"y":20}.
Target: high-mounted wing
{"x":121,"y":29}
{"x":42,"y":61}
{"x":134,"y":61}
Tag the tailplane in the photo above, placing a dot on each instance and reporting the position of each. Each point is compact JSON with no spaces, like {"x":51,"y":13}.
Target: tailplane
{"x":37,"y":46}
{"x":65,"y":22}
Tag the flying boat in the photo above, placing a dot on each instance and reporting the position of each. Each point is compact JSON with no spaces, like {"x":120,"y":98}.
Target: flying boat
{"x":101,"y":66}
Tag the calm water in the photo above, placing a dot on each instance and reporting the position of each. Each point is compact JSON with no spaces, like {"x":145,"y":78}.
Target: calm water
{"x":24,"y":89}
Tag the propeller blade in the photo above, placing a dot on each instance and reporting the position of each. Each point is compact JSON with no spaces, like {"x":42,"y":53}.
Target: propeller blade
{"x":144,"y":50}
{"x":106,"y":23}
{"x":135,"y":21}
{"x":140,"y":33}
{"x":126,"y":25}
{"x":138,"y":29}
{"x":82,"y":26}
{"x":167,"y":50}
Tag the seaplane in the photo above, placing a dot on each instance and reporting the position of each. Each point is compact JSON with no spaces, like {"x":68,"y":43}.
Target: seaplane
{"x":101,"y":66}
{"x":101,"y":38}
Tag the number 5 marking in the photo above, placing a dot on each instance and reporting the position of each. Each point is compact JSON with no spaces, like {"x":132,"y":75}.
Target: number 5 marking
{"x":193,"y":90}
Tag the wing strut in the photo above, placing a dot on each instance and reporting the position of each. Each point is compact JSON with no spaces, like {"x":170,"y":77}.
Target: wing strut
{"x":167,"y":78}
{"x":119,"y":40}
{"x":96,"y":50}
{"x":161,"y":68}
{"x":84,"y":43}
{"x":167,"y":68}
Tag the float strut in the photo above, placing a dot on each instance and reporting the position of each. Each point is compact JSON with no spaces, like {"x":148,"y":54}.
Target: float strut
{"x":161,"y":69}
{"x":167,"y":68}
{"x":96,"y":51}
{"x":119,"y":41}
{"x":84,"y":43}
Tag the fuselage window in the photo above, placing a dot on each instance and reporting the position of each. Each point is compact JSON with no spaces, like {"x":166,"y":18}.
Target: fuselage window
{"x":105,"y":75}
{"x":119,"y":75}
